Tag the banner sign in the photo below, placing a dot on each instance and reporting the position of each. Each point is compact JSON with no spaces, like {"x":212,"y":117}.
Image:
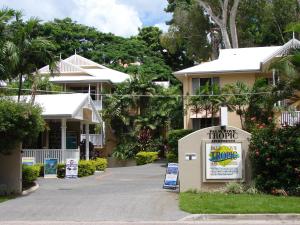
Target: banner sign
{"x":223,"y":161}
{"x":50,"y":168}
{"x":171,"y":178}
{"x":72,"y":168}
{"x":30,"y":161}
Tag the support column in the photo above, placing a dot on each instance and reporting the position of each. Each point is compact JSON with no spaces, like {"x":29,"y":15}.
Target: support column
{"x":97,"y":92}
{"x":87,"y":141}
{"x":63,"y":137}
{"x":101,"y":90}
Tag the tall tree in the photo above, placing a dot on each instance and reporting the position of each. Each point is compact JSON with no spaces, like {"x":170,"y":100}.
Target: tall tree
{"x":223,"y":12}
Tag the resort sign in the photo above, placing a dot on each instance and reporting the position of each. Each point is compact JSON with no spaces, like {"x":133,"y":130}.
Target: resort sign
{"x":223,"y":161}
{"x":72,"y":168}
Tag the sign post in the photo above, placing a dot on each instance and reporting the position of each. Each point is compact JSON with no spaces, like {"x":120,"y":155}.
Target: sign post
{"x":171,"y":178}
{"x":50,"y":168}
{"x":72,"y":168}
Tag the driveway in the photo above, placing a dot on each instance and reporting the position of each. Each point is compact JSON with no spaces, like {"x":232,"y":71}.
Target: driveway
{"x":119,"y":194}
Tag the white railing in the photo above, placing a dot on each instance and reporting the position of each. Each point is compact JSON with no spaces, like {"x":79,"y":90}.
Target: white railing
{"x":96,"y":139}
{"x":98,"y":104}
{"x":290,"y":118}
{"x":41,"y":154}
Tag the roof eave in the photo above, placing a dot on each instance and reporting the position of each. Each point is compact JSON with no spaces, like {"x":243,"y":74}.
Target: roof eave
{"x":213,"y":72}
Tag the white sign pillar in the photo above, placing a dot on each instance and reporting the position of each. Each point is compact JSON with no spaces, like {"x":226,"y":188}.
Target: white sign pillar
{"x":224,"y":116}
{"x":87,"y":141}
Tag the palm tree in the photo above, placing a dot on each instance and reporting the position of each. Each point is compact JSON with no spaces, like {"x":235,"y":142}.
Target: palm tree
{"x":31,"y":50}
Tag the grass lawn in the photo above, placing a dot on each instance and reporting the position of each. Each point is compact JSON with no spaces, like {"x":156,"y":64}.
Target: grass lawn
{"x":4,"y":198}
{"x":220,"y":203}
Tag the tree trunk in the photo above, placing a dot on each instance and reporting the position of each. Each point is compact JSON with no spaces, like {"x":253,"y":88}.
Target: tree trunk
{"x":20,"y":86}
{"x":225,"y":36}
{"x":232,"y":23}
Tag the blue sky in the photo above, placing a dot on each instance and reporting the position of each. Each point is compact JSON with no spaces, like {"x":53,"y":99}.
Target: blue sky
{"x":121,"y":17}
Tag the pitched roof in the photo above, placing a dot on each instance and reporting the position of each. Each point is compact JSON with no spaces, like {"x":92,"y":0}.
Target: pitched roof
{"x":56,"y":106}
{"x":79,"y":69}
{"x":240,"y":60}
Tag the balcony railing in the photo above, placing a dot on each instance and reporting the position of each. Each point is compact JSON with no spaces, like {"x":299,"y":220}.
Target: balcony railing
{"x":290,"y":118}
{"x":61,"y":154}
{"x":96,"y":139}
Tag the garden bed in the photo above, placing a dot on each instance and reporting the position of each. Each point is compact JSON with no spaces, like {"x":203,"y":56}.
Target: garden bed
{"x":4,"y":198}
{"x":220,"y":203}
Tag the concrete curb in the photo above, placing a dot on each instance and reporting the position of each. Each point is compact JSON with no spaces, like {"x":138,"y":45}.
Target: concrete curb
{"x":30,"y":190}
{"x":205,"y":217}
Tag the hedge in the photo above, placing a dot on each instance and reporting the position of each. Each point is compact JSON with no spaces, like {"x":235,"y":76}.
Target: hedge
{"x":100,"y":163}
{"x":275,"y":159}
{"x":29,"y":174}
{"x":145,"y":157}
{"x":85,"y":168}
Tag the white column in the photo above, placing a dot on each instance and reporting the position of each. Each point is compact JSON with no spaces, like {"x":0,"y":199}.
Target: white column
{"x":63,"y":137}
{"x":101,"y":90}
{"x":87,"y":141}
{"x":97,"y":92}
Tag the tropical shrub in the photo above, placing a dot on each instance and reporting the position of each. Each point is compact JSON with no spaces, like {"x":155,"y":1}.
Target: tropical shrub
{"x":234,"y":188}
{"x":145,"y":157}
{"x":61,"y":170}
{"x":86,"y":168}
{"x":125,"y":151}
{"x":29,"y":174}
{"x":172,"y":157}
{"x":18,"y":122}
{"x":275,"y":158}
{"x":174,"y":136}
{"x":100,"y":164}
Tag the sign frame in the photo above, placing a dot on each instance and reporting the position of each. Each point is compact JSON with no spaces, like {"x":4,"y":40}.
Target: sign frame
{"x":49,"y":174}
{"x":172,"y":176}
{"x":71,"y":168}
{"x":30,"y":161}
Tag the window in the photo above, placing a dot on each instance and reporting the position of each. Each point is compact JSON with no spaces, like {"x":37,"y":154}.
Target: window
{"x":199,"y":123}
{"x":200,"y":82}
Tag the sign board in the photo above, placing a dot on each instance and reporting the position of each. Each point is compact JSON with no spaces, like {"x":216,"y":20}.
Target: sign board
{"x":50,"y":168}
{"x":171,"y":176}
{"x":72,"y":168}
{"x":30,"y":161}
{"x":223,"y":161}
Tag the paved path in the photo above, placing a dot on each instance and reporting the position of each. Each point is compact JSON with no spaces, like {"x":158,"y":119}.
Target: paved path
{"x":119,"y":194}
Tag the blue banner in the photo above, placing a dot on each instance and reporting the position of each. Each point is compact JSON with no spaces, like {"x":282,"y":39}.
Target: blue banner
{"x":171,"y":179}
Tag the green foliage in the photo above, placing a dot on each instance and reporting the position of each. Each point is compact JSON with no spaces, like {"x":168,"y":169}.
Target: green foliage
{"x":174,"y":136}
{"x":100,"y":164}
{"x":29,"y":174}
{"x":61,"y":170}
{"x":125,"y":150}
{"x":143,"y":158}
{"x":274,"y":154}
{"x":86,"y":168}
{"x":18,"y":122}
{"x":172,"y":157}
{"x":234,"y":188}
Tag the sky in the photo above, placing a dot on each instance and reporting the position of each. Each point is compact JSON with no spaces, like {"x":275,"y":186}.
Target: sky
{"x":120,"y":17}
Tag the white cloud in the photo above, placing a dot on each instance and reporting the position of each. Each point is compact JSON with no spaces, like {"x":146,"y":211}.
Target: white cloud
{"x":107,"y":16}
{"x":121,"y":17}
{"x":163,"y":26}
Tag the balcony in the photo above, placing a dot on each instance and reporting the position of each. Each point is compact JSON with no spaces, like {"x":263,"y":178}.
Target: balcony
{"x":290,"y":118}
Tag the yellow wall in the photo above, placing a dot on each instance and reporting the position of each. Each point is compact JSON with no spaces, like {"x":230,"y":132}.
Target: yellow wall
{"x":230,"y":78}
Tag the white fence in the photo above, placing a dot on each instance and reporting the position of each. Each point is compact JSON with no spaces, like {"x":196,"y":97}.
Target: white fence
{"x":96,"y":139}
{"x":290,"y":118}
{"x":41,"y":154}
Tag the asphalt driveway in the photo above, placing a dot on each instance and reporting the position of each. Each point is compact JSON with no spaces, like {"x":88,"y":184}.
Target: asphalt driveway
{"x":119,"y":194}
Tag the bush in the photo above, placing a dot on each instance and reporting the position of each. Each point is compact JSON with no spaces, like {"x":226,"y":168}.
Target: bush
{"x":61,"y":170}
{"x":19,"y":122}
{"x":174,"y":136}
{"x":275,"y":158}
{"x":234,"y":188}
{"x":172,"y":157}
{"x":41,"y":166}
{"x":86,"y":168}
{"x":145,"y":157}
{"x":29,"y":174}
{"x":124,"y":151}
{"x":100,"y":164}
